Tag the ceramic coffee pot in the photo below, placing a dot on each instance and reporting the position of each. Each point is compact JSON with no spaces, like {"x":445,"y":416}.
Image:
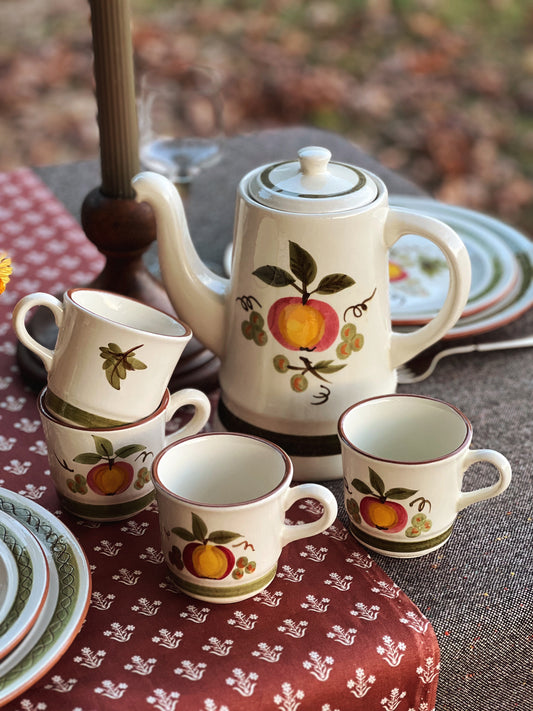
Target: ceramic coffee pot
{"x":303,"y":326}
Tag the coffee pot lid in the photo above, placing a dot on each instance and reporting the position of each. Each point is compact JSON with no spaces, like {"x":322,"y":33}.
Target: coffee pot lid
{"x":313,"y":184}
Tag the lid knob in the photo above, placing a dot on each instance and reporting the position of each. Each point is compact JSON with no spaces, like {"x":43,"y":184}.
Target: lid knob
{"x":314,"y":160}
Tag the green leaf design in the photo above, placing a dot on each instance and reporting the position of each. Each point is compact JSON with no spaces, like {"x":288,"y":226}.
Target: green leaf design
{"x":322,"y":364}
{"x":431,"y":266}
{"x":400,"y":493}
{"x":118,"y":363}
{"x":325,"y":366}
{"x":183,"y":533}
{"x":113,"y":378}
{"x":135,"y":364}
{"x":361,"y":487}
{"x":303,"y":266}
{"x":221,"y":537}
{"x":198,"y":527}
{"x":274,"y":276}
{"x":103,"y":446}
{"x":377,"y":482}
{"x":332,"y":283}
{"x":87,"y":458}
{"x":352,"y":508}
{"x":330,"y":368}
{"x":129,"y":449}
{"x":121,"y":370}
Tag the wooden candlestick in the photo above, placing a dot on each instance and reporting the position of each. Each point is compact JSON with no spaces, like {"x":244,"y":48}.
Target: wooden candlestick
{"x":115,"y":96}
{"x":121,"y":228}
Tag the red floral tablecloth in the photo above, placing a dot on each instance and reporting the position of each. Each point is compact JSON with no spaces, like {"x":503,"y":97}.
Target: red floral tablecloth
{"x":331,"y":633}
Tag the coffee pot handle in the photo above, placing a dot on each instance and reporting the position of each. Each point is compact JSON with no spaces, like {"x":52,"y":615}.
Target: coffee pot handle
{"x":19,"y":323}
{"x":400,"y":221}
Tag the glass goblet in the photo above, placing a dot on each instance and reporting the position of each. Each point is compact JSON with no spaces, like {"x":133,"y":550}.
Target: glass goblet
{"x":180,"y":123}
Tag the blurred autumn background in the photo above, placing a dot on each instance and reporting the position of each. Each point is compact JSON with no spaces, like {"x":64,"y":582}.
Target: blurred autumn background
{"x":440,"y":91}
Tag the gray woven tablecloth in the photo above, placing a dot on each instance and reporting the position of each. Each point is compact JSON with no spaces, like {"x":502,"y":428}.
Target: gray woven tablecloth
{"x":477,"y":590}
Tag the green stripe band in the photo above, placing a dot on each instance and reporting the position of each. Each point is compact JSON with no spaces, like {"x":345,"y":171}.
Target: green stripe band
{"x":265,"y":179}
{"x":294,"y":445}
{"x":395,"y":546}
{"x":80,"y":417}
{"x":102,"y":512}
{"x":221,"y":590}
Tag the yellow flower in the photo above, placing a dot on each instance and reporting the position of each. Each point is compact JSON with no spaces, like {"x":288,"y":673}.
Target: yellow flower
{"x":5,"y":271}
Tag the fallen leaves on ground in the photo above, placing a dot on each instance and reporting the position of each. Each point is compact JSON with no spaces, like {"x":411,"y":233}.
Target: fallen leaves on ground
{"x":449,"y":105}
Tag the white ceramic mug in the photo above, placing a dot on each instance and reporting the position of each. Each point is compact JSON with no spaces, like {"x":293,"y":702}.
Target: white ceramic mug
{"x":222,"y":500}
{"x":113,"y":358}
{"x":105,"y":474}
{"x":404,"y":457}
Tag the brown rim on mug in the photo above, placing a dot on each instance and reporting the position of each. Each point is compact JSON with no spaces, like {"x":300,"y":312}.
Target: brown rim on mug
{"x":288,"y":469}
{"x":347,"y":441}
{"x":78,"y":290}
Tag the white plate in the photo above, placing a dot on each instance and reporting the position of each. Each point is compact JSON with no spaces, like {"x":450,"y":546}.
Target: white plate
{"x":420,"y":277}
{"x":520,"y":298}
{"x":9,"y":580}
{"x":66,"y":604}
{"x":31,"y":586}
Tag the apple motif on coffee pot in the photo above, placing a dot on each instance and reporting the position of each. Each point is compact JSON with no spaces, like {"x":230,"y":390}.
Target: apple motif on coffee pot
{"x":300,"y":322}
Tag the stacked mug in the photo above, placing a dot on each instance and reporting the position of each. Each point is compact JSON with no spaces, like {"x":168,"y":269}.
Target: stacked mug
{"x":106,"y":404}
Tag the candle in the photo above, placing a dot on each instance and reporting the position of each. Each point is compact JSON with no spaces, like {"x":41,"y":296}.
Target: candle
{"x":115,"y":96}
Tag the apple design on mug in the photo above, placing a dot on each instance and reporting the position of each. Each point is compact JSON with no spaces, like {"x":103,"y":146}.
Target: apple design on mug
{"x":110,"y":474}
{"x":207,"y":555}
{"x":380,"y":508}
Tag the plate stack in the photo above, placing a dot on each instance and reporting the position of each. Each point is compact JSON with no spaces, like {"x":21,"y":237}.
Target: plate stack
{"x":45,"y":588}
{"x":502,"y":265}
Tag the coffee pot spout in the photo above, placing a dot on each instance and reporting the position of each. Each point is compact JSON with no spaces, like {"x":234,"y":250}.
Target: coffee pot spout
{"x":197,"y":294}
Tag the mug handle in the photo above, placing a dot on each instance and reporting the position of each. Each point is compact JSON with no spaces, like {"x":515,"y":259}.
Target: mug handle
{"x":202,"y":410}
{"x":304,"y":530}
{"x":400,"y":221}
{"x":19,"y":323}
{"x":488,"y":492}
